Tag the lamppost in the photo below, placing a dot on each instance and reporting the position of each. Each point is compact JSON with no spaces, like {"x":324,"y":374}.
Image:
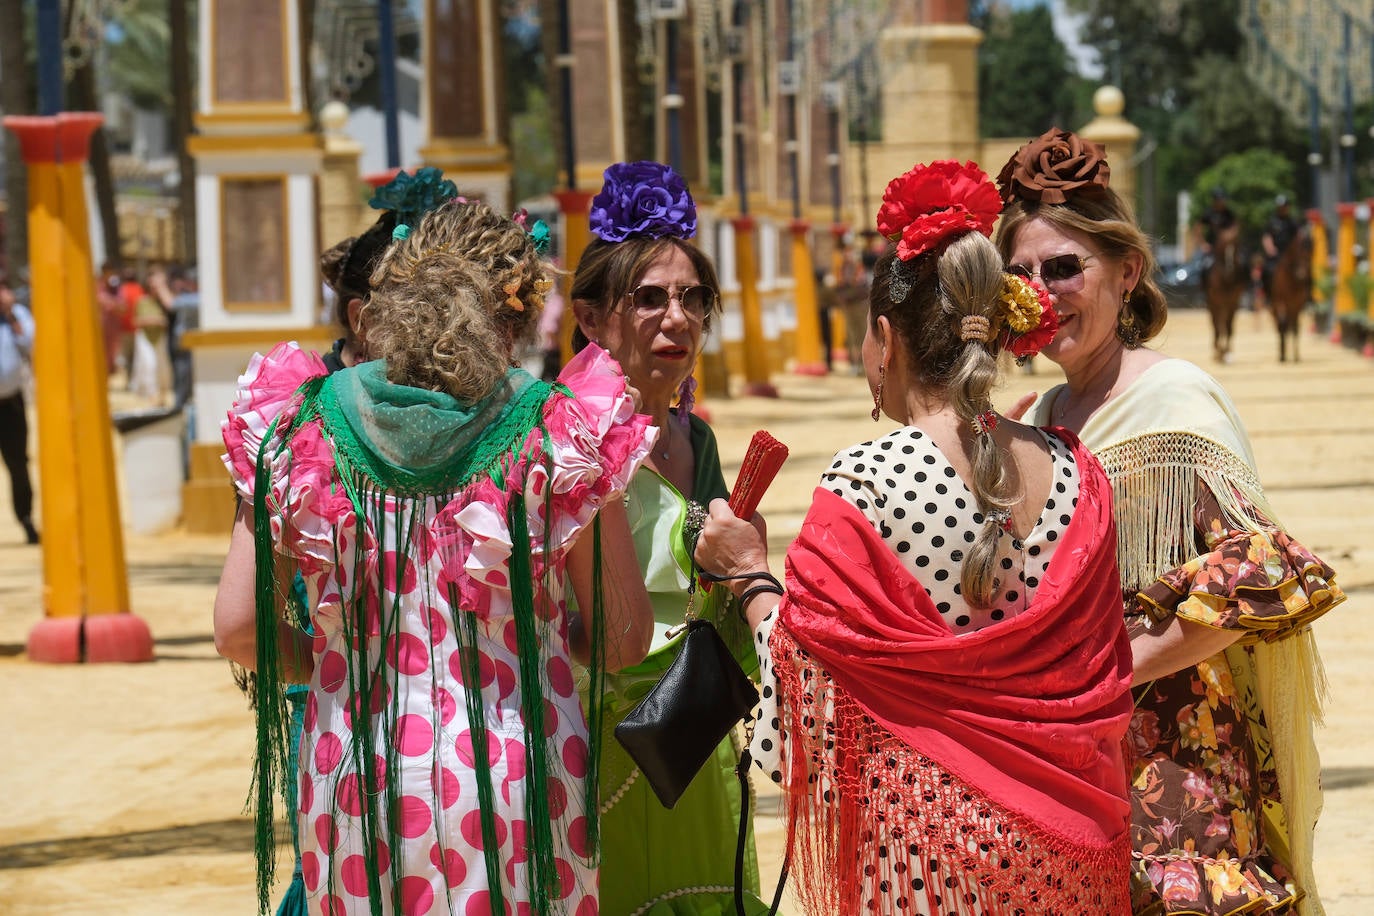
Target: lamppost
{"x":808,"y":353}
{"x":670,"y":12}
{"x":386,"y":73}
{"x":746,"y":268}
{"x":573,"y":205}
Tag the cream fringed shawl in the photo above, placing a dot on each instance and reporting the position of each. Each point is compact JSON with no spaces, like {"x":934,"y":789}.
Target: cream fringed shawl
{"x":1171,"y":429}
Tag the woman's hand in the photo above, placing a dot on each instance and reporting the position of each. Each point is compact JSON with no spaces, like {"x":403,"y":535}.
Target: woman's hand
{"x":730,"y":546}
{"x":1023,"y":404}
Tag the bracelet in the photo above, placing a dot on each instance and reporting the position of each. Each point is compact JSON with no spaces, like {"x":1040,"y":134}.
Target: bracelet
{"x":771,"y":588}
{"x":712,"y":577}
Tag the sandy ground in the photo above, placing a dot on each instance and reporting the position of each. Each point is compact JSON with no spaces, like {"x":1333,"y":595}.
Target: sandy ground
{"x":124,"y":785}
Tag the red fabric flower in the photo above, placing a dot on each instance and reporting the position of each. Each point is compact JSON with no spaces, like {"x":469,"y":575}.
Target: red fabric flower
{"x":1040,"y":336}
{"x":932,"y":203}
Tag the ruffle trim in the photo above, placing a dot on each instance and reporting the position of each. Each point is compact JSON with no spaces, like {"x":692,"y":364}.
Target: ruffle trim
{"x":1266,"y":583}
{"x":1183,"y":885}
{"x":596,"y":441}
{"x":267,"y":389}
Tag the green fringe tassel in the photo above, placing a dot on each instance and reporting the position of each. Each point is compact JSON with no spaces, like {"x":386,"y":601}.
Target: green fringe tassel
{"x":272,"y":755}
{"x":544,"y":878}
{"x":466,"y":624}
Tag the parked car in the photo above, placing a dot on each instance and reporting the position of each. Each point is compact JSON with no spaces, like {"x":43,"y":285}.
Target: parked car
{"x":1181,"y":281}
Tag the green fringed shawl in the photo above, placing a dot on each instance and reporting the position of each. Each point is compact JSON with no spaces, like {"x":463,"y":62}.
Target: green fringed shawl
{"x":419,"y":450}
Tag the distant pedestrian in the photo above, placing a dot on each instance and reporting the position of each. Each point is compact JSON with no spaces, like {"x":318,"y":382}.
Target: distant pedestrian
{"x":16,"y":351}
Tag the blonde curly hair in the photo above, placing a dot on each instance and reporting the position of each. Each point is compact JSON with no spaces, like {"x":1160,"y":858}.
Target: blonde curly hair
{"x":451,"y":301}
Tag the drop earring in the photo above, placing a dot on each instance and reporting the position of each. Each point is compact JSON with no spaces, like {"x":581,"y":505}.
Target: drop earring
{"x":878,"y":395}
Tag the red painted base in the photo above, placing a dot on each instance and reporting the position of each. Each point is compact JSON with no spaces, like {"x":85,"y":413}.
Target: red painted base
{"x":1335,"y":335}
{"x":118,"y":638}
{"x":1368,"y":349}
{"x":816,"y":369}
{"x":760,"y":390}
{"x":55,"y":641}
{"x":701,"y":410}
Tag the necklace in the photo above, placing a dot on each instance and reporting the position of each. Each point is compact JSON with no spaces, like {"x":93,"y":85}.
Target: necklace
{"x":667,"y":440}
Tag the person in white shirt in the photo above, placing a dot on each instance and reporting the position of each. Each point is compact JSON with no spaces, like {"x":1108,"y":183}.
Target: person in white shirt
{"x":16,"y":349}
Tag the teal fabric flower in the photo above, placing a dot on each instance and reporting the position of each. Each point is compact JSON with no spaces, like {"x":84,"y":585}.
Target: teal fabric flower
{"x":412,"y":196}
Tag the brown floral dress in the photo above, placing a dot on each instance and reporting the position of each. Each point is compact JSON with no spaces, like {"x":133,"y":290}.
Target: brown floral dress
{"x":1207,"y":820}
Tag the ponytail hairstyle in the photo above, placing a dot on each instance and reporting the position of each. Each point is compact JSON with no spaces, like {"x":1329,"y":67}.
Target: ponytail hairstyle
{"x":963,"y":279}
{"x":452,"y":297}
{"x":944,"y":292}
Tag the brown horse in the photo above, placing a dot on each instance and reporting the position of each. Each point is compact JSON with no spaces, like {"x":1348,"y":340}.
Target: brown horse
{"x":1225,"y":283}
{"x":1291,"y":289}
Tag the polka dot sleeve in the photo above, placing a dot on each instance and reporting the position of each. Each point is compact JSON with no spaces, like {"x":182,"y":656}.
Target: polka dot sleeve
{"x":766,"y":748}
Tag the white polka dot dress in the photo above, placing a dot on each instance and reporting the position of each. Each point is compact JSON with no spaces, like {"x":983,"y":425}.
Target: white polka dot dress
{"x":926,"y":514}
{"x":929,"y":518}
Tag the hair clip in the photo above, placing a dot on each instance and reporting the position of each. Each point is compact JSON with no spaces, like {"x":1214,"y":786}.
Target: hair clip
{"x":543,"y":285}
{"x":1002,"y":517}
{"x":900,"y":278}
{"x":512,"y":290}
{"x":401,"y":232}
{"x":541,"y":236}
{"x":984,"y":422}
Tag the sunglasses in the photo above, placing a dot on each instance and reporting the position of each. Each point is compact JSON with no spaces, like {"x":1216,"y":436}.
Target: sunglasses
{"x":651,"y":301}
{"x":1061,"y":273}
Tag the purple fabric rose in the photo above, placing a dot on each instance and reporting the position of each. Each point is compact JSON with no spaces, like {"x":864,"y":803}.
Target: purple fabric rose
{"x":643,"y":200}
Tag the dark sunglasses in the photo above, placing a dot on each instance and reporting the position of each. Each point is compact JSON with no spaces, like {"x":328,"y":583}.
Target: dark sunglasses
{"x":1062,"y":273}
{"x":652,"y":301}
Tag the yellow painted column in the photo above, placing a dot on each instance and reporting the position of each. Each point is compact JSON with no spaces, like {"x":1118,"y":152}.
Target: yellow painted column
{"x":577,"y":235}
{"x":1369,"y":253}
{"x":57,"y":452}
{"x":102,"y":536}
{"x":809,"y":358}
{"x":756,"y":370}
{"x":1320,"y":252}
{"x":85,"y":584}
{"x":1345,"y":259}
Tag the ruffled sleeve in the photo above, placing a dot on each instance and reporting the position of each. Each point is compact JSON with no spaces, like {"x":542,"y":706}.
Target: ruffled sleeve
{"x":1262,"y":581}
{"x":266,"y":391}
{"x":597,"y":441}
{"x":305,"y":502}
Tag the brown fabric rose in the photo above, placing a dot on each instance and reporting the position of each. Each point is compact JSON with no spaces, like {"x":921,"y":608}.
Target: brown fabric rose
{"x":1053,"y":167}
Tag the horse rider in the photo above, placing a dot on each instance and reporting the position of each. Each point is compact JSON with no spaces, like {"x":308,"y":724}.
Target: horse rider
{"x":1283,"y":227}
{"x":1214,"y":224}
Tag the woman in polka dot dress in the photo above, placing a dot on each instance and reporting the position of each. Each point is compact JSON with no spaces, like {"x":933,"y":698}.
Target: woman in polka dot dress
{"x":945,"y":679}
{"x":434,"y":502}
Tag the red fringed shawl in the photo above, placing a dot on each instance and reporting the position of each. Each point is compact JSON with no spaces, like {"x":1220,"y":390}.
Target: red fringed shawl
{"x":997,"y":752}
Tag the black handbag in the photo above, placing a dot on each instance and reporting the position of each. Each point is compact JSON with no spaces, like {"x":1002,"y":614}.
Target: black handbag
{"x":687,"y":714}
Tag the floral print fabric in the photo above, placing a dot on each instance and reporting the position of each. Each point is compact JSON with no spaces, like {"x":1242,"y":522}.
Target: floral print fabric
{"x":1205,"y":799}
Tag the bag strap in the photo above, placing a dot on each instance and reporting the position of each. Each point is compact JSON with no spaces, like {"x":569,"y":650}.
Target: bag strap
{"x":742,"y":771}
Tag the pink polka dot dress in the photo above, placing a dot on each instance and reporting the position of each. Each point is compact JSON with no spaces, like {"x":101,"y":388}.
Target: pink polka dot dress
{"x":412,"y":798}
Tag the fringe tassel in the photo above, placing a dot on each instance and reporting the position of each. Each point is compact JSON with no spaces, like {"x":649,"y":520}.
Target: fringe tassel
{"x":544,"y":883}
{"x":869,"y":818}
{"x":273,"y":751}
{"x":1155,"y":481}
{"x":1293,"y":689}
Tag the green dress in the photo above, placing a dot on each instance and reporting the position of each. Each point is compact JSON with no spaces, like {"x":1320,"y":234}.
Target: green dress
{"x":656,"y":861}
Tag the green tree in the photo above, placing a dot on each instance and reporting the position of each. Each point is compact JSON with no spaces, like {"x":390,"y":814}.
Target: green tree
{"x":1251,"y":180}
{"x":1026,"y":83}
{"x":1180,"y":66}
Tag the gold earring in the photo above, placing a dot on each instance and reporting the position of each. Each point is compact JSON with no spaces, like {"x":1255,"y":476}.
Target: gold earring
{"x":1126,"y":330}
{"x":878,"y":395}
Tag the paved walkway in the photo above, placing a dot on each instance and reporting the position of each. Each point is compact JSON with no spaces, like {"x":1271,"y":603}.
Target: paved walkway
{"x":125,"y":784}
